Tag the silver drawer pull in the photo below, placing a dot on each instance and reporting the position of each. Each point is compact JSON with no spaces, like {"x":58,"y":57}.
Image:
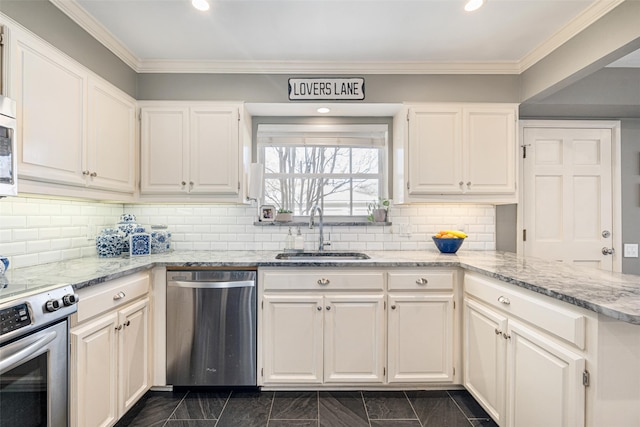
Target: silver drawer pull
{"x":504,"y":300}
{"x":119,"y":295}
{"x":323,"y":281}
{"x":422,"y":281}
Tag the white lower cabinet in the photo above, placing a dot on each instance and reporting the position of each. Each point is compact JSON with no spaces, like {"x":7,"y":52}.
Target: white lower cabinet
{"x":109,"y":352}
{"x":420,"y":326}
{"x":341,"y":327}
{"x":521,"y":374}
{"x":323,"y":339}
{"x":316,"y":329}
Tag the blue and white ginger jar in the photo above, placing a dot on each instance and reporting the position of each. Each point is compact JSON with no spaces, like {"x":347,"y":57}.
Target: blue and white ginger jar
{"x":127,"y":226}
{"x":160,"y":239}
{"x":109,"y":243}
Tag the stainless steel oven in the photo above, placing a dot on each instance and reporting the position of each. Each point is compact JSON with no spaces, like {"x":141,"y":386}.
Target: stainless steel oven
{"x":34,"y":359}
{"x":8,"y":161}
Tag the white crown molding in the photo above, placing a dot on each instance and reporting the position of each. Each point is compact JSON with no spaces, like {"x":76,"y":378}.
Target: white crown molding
{"x":315,"y":67}
{"x":80,"y":16}
{"x":590,"y":15}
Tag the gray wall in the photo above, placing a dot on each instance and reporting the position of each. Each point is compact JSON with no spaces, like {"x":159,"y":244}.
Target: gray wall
{"x":631,"y":190}
{"x":47,"y":21}
{"x":378,"y":88}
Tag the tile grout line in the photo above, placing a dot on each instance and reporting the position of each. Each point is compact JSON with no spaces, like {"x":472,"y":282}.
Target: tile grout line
{"x":176,"y":408}
{"x":273,"y":399}
{"x":223,"y":408}
{"x":459,"y":408}
{"x":366,"y":411}
{"x":412,"y":408}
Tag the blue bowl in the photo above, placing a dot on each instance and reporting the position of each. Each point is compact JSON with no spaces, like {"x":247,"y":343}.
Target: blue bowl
{"x":448,"y":246}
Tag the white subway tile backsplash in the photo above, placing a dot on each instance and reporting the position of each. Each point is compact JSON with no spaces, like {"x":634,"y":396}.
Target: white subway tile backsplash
{"x":34,"y":230}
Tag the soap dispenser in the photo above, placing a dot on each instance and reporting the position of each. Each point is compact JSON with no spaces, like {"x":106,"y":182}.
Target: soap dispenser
{"x":299,"y":241}
{"x":289,"y":242}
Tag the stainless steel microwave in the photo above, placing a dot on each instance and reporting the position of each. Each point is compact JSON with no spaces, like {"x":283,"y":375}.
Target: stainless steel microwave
{"x":8,"y":154}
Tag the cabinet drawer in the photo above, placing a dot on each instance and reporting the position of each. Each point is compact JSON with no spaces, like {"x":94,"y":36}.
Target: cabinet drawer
{"x":101,"y":298}
{"x":549,"y":316}
{"x":423,"y":280}
{"x":323,"y":279}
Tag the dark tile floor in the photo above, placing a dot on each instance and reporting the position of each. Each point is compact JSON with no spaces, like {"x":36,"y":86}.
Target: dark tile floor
{"x":307,"y":408}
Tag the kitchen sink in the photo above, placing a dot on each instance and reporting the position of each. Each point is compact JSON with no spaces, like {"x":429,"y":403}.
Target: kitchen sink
{"x":322,"y":255}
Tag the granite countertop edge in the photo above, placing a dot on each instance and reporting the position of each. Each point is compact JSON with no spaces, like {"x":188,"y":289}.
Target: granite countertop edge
{"x":614,"y":295}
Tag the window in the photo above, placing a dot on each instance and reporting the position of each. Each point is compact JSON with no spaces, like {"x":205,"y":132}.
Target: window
{"x":340,"y":168}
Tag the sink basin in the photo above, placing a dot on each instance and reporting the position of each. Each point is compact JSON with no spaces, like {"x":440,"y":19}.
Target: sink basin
{"x":321,"y":255}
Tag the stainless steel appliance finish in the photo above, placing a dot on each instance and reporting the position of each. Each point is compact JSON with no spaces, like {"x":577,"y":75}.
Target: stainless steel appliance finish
{"x":8,"y":153}
{"x":211,"y":328}
{"x":34,"y":359}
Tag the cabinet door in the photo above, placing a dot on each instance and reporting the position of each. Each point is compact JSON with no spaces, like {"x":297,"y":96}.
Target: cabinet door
{"x":292,"y":337}
{"x":489,"y":150}
{"x":214,"y":151}
{"x":544,"y":381}
{"x":50,"y":92}
{"x":164,"y":147}
{"x":420,"y":338}
{"x":111,"y":138}
{"x":354,"y":338}
{"x":485,"y":357}
{"x":435,"y":150}
{"x":133,"y":354}
{"x":94,"y":373}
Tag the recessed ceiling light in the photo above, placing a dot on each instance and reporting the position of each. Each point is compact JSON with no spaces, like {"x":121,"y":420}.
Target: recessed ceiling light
{"x":323,"y":110}
{"x":473,"y":5}
{"x":202,"y":5}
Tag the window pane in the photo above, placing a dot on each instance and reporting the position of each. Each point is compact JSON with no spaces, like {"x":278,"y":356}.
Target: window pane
{"x":365,"y":191}
{"x":365,"y":160}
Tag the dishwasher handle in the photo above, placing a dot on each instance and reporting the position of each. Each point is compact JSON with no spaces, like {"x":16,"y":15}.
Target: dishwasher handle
{"x":211,"y":285}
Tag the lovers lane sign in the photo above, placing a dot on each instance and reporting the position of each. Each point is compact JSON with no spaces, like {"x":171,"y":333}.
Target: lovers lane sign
{"x":329,"y":88}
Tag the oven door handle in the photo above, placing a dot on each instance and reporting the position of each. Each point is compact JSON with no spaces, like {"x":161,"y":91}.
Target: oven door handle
{"x":8,"y":362}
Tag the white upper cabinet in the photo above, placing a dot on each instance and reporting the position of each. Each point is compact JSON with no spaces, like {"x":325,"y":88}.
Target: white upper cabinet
{"x":111,"y":138}
{"x":192,"y":149}
{"x":74,"y":129}
{"x":453,"y":150}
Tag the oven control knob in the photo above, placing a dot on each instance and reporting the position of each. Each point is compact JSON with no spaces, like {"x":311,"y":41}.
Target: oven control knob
{"x":70,"y":299}
{"x":52,"y":305}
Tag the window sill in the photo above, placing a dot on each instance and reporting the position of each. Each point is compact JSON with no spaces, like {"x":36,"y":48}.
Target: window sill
{"x":326,"y":223}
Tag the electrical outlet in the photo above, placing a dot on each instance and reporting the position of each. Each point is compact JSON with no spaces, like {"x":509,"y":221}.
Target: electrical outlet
{"x":631,"y":250}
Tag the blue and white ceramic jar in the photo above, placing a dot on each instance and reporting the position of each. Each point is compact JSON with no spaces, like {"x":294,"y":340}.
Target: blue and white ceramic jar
{"x":109,"y":243}
{"x":4,"y":264}
{"x":127,"y":226}
{"x":160,"y":239}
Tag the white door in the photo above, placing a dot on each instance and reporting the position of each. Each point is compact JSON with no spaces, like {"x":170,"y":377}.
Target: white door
{"x":420,"y":338}
{"x":354,"y":338}
{"x":133,"y":351}
{"x":292,"y":338}
{"x":545,"y":381}
{"x":484,"y":357}
{"x":568,"y":195}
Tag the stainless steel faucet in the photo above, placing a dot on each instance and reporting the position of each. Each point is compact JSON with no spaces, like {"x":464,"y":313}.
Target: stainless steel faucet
{"x":321,"y":243}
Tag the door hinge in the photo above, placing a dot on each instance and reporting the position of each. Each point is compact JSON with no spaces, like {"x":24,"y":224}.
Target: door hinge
{"x":524,"y":234}
{"x":238,"y":185}
{"x":407,"y":185}
{"x":384,"y":305}
{"x":384,"y":371}
{"x":262,"y":372}
{"x":454,"y":372}
{"x":524,"y":150}
{"x":408,"y":112}
{"x":585,"y":378}
{"x":1,"y":39}
{"x":262,"y":305}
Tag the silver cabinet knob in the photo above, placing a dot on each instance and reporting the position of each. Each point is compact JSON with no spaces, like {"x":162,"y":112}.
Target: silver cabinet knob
{"x":607,"y":251}
{"x":393,"y":307}
{"x":85,"y":173}
{"x":319,"y":308}
{"x":323,"y":282}
{"x":504,"y":300}
{"x":127,"y":323}
{"x":422,"y":281}
{"x":93,"y":174}
{"x":468,"y":184}
{"x":119,"y":327}
{"x":328,"y":307}
{"x":119,"y":296}
{"x":183,"y":183}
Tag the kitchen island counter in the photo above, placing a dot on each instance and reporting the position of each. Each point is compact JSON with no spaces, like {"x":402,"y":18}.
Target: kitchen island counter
{"x":614,"y":295}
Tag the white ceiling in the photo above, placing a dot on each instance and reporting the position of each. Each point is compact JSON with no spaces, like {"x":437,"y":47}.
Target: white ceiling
{"x":357,"y":36}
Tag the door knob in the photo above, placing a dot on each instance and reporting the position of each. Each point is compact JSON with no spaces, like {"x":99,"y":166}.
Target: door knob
{"x":607,"y":251}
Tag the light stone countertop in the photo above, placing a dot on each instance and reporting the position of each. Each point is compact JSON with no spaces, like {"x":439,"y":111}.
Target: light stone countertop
{"x":614,"y":295}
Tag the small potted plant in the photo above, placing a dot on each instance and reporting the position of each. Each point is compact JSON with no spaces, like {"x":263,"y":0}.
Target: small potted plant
{"x":284,"y":215}
{"x":378,"y":210}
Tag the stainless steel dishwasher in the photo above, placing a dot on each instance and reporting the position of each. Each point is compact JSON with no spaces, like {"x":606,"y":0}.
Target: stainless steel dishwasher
{"x":211,"y":328}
